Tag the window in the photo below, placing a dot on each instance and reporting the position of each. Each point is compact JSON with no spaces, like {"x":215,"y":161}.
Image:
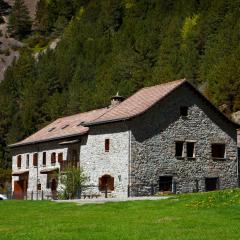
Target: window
{"x":179,"y":149}
{"x":51,"y":129}
{"x":218,"y":150}
{"x":44,"y":159}
{"x":106,"y":181}
{"x":183,"y":111}
{"x":107,"y":145}
{"x":53,"y":158}
{"x":191,"y":149}
{"x":35,"y":159}
{"x":27,"y":161}
{"x":19,"y":161}
{"x":60,"y":157}
{"x":65,"y":126}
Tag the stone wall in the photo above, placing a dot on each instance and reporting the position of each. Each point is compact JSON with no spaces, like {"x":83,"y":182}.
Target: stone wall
{"x":96,"y":162}
{"x":34,"y":171}
{"x":153,"y":143}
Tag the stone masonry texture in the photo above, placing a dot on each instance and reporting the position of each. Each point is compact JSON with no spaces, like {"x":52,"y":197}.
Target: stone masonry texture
{"x":153,"y":143}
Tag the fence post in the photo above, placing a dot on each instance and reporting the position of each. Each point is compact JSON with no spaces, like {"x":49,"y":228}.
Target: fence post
{"x":128,"y":190}
{"x":32,"y":195}
{"x":106,"y":193}
{"x":42,"y":195}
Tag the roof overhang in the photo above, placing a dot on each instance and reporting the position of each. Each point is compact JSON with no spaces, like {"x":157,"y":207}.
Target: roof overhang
{"x":46,"y":140}
{"x":18,"y":173}
{"x":49,"y":170}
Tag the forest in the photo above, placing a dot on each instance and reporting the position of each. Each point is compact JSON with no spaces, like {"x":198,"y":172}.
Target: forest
{"x":117,"y":46}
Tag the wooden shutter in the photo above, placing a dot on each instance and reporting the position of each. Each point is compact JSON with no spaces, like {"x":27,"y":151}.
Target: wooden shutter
{"x":35,"y":159}
{"x":111,"y":184}
{"x":19,"y":161}
{"x":60,"y":157}
{"x":44,"y":159}
{"x":107,"y":145}
{"x":53,"y":158}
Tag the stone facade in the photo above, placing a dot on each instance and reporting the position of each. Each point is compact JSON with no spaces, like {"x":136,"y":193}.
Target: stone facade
{"x":153,"y":144}
{"x":96,"y":162}
{"x":35,"y":176}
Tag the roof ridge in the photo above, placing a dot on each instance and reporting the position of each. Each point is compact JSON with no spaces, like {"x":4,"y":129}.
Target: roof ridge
{"x":165,"y":83}
{"x":97,"y":109}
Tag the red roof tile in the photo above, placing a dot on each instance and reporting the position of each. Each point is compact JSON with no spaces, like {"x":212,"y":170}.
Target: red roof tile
{"x":132,"y":106}
{"x":63,"y":127}
{"x":137,"y":103}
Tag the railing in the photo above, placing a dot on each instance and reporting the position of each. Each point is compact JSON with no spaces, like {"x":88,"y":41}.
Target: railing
{"x":93,"y":191}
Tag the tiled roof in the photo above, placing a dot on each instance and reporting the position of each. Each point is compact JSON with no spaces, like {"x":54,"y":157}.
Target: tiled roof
{"x":137,"y":103}
{"x":78,"y":124}
{"x":63,"y":127}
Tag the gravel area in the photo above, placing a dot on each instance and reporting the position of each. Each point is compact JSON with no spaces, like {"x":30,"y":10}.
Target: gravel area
{"x":104,"y":200}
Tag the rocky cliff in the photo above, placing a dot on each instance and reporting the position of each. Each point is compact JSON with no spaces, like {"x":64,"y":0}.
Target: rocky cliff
{"x":8,"y":45}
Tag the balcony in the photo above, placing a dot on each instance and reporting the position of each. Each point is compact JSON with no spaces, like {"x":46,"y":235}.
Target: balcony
{"x":68,"y":163}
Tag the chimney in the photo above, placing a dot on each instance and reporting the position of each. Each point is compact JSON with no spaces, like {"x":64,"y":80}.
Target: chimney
{"x":116,"y":100}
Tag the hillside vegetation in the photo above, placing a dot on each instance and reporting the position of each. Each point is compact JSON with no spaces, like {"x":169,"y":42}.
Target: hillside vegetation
{"x":206,"y":216}
{"x":111,"y":46}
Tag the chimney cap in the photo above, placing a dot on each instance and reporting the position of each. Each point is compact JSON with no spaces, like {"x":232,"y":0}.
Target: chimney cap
{"x":118,"y":97}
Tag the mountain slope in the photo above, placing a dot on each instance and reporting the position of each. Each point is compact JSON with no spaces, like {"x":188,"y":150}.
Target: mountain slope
{"x":111,"y":46}
{"x":31,"y":5}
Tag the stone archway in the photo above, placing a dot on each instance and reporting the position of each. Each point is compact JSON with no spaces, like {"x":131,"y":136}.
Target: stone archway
{"x":106,"y":181}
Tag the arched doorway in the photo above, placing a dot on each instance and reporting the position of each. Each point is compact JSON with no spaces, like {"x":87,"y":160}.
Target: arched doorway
{"x":106,"y":181}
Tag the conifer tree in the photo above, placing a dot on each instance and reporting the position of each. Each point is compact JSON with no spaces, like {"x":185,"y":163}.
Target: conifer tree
{"x":19,"y":20}
{"x":4,"y":7}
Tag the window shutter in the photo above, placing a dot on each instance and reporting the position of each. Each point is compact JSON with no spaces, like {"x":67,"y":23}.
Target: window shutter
{"x":19,"y":161}
{"x":60,"y":157}
{"x":53,"y":158}
{"x":35,"y":159}
{"x":111,"y":184}
{"x":107,"y":145}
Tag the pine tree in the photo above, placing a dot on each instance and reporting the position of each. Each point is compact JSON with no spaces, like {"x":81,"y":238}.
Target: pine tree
{"x":19,"y":20}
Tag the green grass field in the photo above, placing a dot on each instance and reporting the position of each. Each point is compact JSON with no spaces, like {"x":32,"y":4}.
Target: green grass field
{"x":214,"y":215}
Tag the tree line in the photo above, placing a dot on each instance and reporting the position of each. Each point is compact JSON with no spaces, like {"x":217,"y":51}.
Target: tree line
{"x":119,"y":46}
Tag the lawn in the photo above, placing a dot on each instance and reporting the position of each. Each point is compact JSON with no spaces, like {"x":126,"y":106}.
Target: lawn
{"x":214,"y":215}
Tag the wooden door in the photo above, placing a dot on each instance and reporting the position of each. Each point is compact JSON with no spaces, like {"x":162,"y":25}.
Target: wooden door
{"x":106,"y":181}
{"x":19,"y":189}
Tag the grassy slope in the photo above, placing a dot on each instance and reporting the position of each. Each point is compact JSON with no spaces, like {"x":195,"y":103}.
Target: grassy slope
{"x":191,"y":216}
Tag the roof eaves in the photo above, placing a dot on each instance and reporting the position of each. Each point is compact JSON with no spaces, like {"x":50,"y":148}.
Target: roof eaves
{"x":15,"y":145}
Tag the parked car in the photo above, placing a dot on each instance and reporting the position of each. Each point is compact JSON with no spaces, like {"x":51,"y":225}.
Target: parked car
{"x":2,"y":197}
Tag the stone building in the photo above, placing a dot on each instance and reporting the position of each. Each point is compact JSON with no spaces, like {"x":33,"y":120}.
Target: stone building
{"x":165,"y":138}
